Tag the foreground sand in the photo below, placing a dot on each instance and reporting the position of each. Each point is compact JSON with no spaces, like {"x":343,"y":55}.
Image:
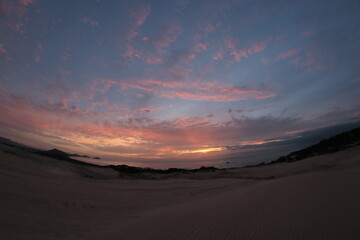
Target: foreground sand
{"x":317,"y":198}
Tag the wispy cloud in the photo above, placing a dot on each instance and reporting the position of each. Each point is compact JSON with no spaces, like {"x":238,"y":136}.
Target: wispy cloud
{"x":14,"y":12}
{"x":287,"y":54}
{"x":306,"y":33}
{"x":166,"y":36}
{"x":197,"y":91}
{"x":240,"y":53}
{"x":230,"y":48}
{"x":154,"y":60}
{"x":2,"y":49}
{"x":26,"y":2}
{"x":131,"y":52}
{"x":140,"y":14}
{"x":219,"y":54}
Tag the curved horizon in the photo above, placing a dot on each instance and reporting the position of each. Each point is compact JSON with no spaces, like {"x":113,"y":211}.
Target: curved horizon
{"x":181,"y":83}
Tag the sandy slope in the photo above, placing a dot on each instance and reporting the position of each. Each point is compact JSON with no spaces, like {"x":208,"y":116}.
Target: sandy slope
{"x":317,"y":198}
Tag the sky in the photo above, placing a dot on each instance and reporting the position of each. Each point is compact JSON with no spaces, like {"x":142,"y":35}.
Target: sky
{"x":180,"y":83}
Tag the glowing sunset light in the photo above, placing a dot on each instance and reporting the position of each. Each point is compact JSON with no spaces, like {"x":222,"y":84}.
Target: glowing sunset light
{"x":161,"y":83}
{"x":204,"y":150}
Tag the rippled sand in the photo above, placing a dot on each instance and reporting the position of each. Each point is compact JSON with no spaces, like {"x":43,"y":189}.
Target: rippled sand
{"x":317,"y":198}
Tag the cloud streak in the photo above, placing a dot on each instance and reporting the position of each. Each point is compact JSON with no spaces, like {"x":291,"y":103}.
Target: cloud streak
{"x":197,"y":91}
{"x":287,"y":54}
{"x":239,"y":53}
{"x":166,"y":36}
{"x":140,"y":14}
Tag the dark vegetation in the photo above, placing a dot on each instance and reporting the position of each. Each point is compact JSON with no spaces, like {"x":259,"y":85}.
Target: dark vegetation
{"x":333,"y":144}
{"x":137,"y":170}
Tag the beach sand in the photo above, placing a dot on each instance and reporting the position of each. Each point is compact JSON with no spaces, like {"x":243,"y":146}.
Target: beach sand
{"x":44,"y":198}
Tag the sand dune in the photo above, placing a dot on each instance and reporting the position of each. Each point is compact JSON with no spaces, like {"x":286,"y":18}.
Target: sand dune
{"x":317,"y":198}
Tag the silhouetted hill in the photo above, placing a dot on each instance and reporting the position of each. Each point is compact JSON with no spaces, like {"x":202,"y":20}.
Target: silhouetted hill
{"x":333,"y":144}
{"x":11,"y":143}
{"x":56,"y":153}
{"x":124,"y":170}
{"x":60,"y":154}
{"x":64,"y":156}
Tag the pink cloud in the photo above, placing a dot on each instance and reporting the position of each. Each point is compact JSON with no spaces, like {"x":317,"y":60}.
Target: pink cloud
{"x":197,"y":91}
{"x":186,"y":56}
{"x":287,"y":54}
{"x":140,"y":15}
{"x":154,"y":60}
{"x":178,"y":71}
{"x":37,"y":58}
{"x":200,"y":47}
{"x":219,"y":55}
{"x":228,"y":94}
{"x":26,"y":2}
{"x":74,"y":108}
{"x":131,"y":52}
{"x":89,"y":21}
{"x":167,"y":36}
{"x":15,"y":11}
{"x":309,"y":61}
{"x":296,"y":61}
{"x":2,"y":49}
{"x":306,"y":33}
{"x":141,"y":136}
{"x":102,"y":86}
{"x":238,"y":54}
{"x":256,"y":48}
{"x":65,"y":92}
